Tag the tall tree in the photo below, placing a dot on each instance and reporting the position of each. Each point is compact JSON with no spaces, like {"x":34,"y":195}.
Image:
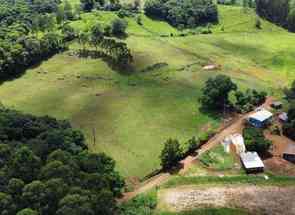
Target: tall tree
{"x":216,"y":92}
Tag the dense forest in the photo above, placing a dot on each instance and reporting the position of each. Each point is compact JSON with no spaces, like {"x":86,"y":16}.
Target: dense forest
{"x":45,"y":168}
{"x":183,"y":13}
{"x":31,"y":31}
{"x":25,"y":34}
{"x":281,"y":12}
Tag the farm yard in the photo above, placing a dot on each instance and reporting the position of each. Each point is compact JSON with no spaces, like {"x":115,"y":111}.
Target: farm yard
{"x":147,"y":107}
{"x":123,"y":114}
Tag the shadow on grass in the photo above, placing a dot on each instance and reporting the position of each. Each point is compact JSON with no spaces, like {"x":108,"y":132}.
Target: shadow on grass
{"x":123,"y":69}
{"x":21,"y":70}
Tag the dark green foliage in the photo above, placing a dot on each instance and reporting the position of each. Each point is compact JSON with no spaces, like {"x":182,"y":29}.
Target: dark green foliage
{"x":192,"y":144}
{"x":119,"y":27}
{"x":216,"y":92}
{"x":255,"y":140}
{"x":118,"y":52}
{"x":290,"y":92}
{"x":19,"y":22}
{"x":68,"y":32}
{"x":289,"y":126}
{"x":281,"y":12}
{"x":258,"y":23}
{"x":186,"y":13}
{"x":170,"y":154}
{"x":46,"y":169}
{"x":246,"y":101}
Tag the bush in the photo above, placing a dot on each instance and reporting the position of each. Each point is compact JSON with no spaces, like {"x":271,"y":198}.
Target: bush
{"x":170,"y":154}
{"x":258,"y":23}
{"x":246,"y":101}
{"x":216,"y":92}
{"x":255,"y":140}
{"x":118,"y":27}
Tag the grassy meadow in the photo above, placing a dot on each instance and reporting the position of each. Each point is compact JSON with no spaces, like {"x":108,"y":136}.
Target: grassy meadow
{"x":130,"y":116}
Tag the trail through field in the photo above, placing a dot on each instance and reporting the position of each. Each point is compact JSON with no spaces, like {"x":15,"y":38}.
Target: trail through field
{"x":235,"y":127}
{"x":270,"y":200}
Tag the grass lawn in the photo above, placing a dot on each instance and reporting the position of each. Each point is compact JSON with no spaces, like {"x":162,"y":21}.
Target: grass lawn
{"x":218,"y":159}
{"x":129,"y":117}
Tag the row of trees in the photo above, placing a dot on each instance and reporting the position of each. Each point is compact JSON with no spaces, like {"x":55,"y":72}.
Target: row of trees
{"x":183,"y":13}
{"x":116,"y":50}
{"x":217,"y":91}
{"x":281,"y":12}
{"x":45,"y":168}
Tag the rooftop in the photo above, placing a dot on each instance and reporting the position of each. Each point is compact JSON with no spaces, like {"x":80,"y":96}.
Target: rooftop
{"x":251,"y":160}
{"x":283,"y":116}
{"x":277,"y":103}
{"x":261,"y":115}
{"x":290,"y":149}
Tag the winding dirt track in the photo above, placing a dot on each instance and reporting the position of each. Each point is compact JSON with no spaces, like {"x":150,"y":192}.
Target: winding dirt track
{"x":161,"y":178}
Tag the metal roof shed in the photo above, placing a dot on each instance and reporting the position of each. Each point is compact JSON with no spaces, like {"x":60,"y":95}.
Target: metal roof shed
{"x":252,"y":162}
{"x":260,"y":118}
{"x":289,"y":153}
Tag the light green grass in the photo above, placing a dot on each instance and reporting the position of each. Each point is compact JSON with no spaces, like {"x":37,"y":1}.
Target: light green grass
{"x":218,"y":159}
{"x":131,"y":116}
{"x":230,"y":180}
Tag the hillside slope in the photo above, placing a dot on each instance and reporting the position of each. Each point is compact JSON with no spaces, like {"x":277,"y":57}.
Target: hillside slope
{"x":129,"y":117}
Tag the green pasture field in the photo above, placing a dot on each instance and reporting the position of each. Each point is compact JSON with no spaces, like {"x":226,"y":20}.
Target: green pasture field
{"x":129,"y":116}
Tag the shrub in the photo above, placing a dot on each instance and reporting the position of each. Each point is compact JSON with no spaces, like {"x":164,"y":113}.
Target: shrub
{"x":118,"y":27}
{"x":170,"y":154}
{"x":255,"y":140}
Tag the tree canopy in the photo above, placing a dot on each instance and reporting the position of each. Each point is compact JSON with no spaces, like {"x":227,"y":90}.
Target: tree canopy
{"x":216,"y":92}
{"x":45,"y":168}
{"x":183,"y":13}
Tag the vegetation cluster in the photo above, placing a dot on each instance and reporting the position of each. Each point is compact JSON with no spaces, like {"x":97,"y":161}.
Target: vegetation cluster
{"x":183,"y":13}
{"x":281,"y":12}
{"x":45,"y":168}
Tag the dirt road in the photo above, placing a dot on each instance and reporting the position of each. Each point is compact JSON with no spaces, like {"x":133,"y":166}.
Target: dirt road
{"x":234,"y":127}
{"x":270,"y":200}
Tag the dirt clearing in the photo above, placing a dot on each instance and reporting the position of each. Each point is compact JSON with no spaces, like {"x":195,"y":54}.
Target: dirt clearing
{"x":270,"y":200}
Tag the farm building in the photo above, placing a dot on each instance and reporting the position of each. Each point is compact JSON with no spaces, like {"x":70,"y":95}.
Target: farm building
{"x":252,"y":162}
{"x":289,"y":153}
{"x":283,"y":117}
{"x":277,"y":105}
{"x":237,"y":140}
{"x":260,"y":118}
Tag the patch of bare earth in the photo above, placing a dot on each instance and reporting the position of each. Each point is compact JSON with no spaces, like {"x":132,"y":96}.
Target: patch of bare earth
{"x":270,"y":200}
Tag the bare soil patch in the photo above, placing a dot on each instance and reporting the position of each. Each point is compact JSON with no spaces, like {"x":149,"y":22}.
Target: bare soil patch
{"x":279,"y":166}
{"x":270,"y":200}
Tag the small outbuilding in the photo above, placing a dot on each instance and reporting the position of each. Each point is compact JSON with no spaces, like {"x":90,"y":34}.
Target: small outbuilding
{"x":277,"y":105}
{"x":252,"y":162}
{"x":237,"y":140}
{"x":260,"y":119}
{"x":289,"y":153}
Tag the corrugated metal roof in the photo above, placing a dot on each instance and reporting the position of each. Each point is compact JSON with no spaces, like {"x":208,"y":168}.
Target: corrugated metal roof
{"x":251,"y":160}
{"x":261,"y":115}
